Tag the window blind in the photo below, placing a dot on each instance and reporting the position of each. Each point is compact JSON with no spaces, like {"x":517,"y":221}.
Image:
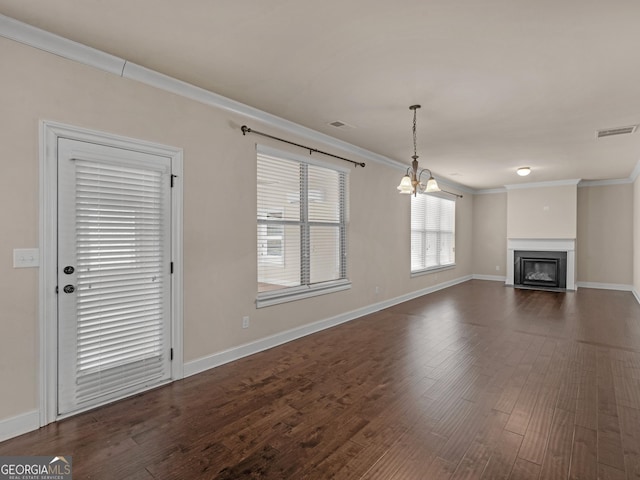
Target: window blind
{"x":301,"y":225}
{"x":122,"y":259}
{"x":432,"y":232}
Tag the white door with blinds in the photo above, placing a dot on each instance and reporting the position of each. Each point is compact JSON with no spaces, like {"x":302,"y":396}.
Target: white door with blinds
{"x":114,"y":273}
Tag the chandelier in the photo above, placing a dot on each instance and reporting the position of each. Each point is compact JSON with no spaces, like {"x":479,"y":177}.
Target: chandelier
{"x":411,"y":183}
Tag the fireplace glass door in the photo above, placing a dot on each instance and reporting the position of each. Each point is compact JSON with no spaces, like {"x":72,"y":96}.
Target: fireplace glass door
{"x":540,"y":271}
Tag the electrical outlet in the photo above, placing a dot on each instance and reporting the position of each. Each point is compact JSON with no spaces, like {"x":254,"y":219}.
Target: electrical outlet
{"x":377,"y":290}
{"x":497,"y":268}
{"x":245,"y":322}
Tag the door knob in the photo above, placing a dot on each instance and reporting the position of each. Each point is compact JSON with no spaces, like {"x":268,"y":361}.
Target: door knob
{"x":69,"y":289}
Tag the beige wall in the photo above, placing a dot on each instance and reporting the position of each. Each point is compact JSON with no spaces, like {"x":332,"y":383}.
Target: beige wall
{"x":220,"y":267}
{"x":542,"y":212}
{"x":490,"y":234}
{"x":605,"y":234}
{"x":636,"y":237}
{"x":607,"y":227}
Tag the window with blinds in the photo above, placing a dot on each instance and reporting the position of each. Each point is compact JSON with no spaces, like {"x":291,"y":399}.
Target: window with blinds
{"x":433,"y":221}
{"x":301,"y":216}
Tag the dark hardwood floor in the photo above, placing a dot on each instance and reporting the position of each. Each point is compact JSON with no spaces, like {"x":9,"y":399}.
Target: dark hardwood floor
{"x":476,"y":381}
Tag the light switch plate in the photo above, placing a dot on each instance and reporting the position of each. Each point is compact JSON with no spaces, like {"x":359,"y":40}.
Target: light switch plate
{"x":26,"y":257}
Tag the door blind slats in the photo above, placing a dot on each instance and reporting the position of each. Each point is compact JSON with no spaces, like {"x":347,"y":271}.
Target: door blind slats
{"x":118,"y":351}
{"x":119,"y":193}
{"x":121,"y":261}
{"x":108,"y":333}
{"x":132,"y":319}
{"x":106,"y":281}
{"x":117,"y":274}
{"x":93,"y":313}
{"x":122,"y":291}
{"x":110,"y":312}
{"x":118,"y":318}
{"x":118,"y":347}
{"x":118,"y":379}
{"x":136,"y":193}
{"x":106,"y":249}
{"x":104,"y":180}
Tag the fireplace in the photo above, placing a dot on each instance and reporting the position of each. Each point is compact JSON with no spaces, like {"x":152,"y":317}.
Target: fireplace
{"x":562,"y":249}
{"x":540,"y":269}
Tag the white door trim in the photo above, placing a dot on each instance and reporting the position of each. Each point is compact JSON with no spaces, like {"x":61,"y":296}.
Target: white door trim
{"x":47,"y":311}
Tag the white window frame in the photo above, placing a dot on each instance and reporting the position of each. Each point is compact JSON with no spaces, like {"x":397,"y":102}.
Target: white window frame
{"x":424,"y":232}
{"x":265,"y":299}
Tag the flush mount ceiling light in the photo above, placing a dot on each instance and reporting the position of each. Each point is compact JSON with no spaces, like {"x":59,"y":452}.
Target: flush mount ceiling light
{"x":523,"y":171}
{"x":410,"y":183}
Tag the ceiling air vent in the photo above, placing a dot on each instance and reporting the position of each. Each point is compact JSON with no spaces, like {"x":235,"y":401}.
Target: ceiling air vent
{"x":339,"y":124}
{"x":616,"y":131}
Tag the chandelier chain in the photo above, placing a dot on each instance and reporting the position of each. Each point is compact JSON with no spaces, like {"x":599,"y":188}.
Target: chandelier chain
{"x":410,"y":183}
{"x":415,"y":143}
{"x":415,"y":150}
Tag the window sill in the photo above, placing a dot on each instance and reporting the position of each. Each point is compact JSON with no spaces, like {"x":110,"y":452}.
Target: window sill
{"x":427,"y":271}
{"x":290,"y":295}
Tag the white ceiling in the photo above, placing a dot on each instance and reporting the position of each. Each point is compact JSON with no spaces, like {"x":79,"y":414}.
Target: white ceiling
{"x":502,"y":83}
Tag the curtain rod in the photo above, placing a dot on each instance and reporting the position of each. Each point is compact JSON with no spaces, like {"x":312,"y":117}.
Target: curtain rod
{"x":451,"y":193}
{"x":246,"y":130}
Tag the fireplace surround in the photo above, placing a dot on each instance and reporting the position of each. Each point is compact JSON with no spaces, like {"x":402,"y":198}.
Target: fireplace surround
{"x":540,"y":269}
{"x":546,"y":248}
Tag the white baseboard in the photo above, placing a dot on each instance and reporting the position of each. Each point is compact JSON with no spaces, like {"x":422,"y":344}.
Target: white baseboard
{"x":236,"y":353}
{"x":493,"y":278}
{"x":23,"y":423}
{"x":29,"y":421}
{"x":605,"y":286}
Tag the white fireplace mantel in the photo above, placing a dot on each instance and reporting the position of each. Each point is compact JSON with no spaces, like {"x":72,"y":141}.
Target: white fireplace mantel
{"x":544,"y":244}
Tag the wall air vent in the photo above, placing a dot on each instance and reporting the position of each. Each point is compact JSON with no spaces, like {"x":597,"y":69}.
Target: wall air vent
{"x":616,"y":131}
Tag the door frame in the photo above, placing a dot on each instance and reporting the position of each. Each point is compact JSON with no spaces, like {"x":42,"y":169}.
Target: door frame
{"x":48,"y":304}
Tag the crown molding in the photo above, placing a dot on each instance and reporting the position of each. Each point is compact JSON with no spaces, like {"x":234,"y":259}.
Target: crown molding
{"x":155,"y":79}
{"x":65,"y":48}
{"x":602,"y":183}
{"x":454,"y":185}
{"x":555,"y":183}
{"x":57,"y":45}
{"x":489,"y":191}
{"x":581,"y":183}
{"x":60,"y":46}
